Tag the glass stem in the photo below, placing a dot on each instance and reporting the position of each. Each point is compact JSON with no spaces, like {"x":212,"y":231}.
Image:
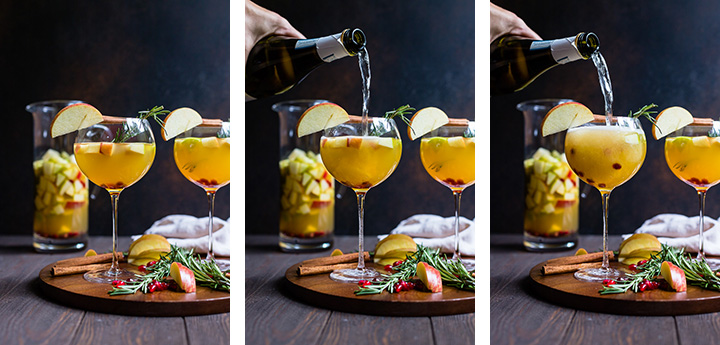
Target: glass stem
{"x":361,"y":229}
{"x":605,"y":199}
{"x":114,"y":197}
{"x":211,"y":205}
{"x":456,"y":249}
{"x":701,"y":240}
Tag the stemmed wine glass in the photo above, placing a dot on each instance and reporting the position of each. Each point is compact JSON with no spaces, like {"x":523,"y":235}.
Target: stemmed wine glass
{"x":693,"y":154}
{"x":203,"y":156}
{"x":605,"y":156}
{"x":114,"y":155}
{"x":448,"y":155}
{"x":361,"y":159}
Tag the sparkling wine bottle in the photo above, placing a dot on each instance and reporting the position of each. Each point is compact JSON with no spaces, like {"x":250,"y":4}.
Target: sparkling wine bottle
{"x":515,"y":63}
{"x":277,"y":64}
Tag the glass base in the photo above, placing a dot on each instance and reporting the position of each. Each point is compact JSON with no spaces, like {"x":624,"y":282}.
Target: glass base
{"x":56,"y":245}
{"x":107,"y":276}
{"x":354,"y":275}
{"x":300,"y":245}
{"x":598,"y":274}
{"x":223,"y":264}
{"x":469,"y":264}
{"x":548,"y":244}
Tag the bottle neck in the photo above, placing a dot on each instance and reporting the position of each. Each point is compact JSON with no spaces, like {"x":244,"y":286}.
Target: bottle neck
{"x":337,"y":46}
{"x":563,"y":49}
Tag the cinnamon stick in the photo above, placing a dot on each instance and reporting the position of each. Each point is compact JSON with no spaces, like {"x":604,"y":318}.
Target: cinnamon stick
{"x":107,"y":119}
{"x":310,"y":270}
{"x":211,"y":123}
{"x":576,"y":259}
{"x":57,"y":271}
{"x":331,"y":260}
{"x":557,"y":269}
{"x":87,"y":260}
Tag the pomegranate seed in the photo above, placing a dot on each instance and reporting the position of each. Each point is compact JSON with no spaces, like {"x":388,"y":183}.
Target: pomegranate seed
{"x":151,"y":288}
{"x":410,"y":286}
{"x":388,"y":268}
{"x":117,"y":283}
{"x":397,"y":287}
{"x":364,"y":283}
{"x":397,"y":263}
{"x":142,"y":269}
{"x":641,"y":262}
{"x":633,"y":267}
{"x":151,"y":263}
{"x":608,"y":282}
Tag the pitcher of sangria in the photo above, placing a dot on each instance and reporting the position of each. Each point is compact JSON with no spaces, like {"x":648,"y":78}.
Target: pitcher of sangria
{"x":551,"y":187}
{"x":307,"y":200}
{"x":60,"y":219}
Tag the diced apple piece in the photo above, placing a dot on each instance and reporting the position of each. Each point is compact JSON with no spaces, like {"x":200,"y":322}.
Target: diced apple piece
{"x":670,"y":120}
{"x":354,"y":142}
{"x":337,"y":142}
{"x":429,"y":276}
{"x":313,"y":188}
{"x":304,"y":209}
{"x":426,"y":120}
{"x":701,"y":141}
{"x":456,"y":142}
{"x":385,"y":142}
{"x":183,"y":276}
{"x":211,"y":142}
{"x":136,"y":148}
{"x":107,"y":148}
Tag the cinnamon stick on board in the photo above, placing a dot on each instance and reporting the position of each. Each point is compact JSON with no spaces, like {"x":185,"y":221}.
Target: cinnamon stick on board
{"x":331,"y":260}
{"x":310,"y":270}
{"x":556,"y":269}
{"x":576,"y":259}
{"x":87,"y":260}
{"x":67,"y":270}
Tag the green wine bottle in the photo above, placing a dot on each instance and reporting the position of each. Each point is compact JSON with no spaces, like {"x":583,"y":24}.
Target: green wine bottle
{"x":515,"y":63}
{"x":277,"y":64}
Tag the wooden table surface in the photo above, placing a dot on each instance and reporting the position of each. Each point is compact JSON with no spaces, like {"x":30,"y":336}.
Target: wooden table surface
{"x":274,"y":316}
{"x":27,"y":316}
{"x":518,"y":317}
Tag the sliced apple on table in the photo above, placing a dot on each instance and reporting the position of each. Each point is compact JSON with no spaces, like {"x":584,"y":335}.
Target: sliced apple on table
{"x":429,"y":276}
{"x":581,"y":251}
{"x":180,"y":121}
{"x":670,"y":120}
{"x":674,"y":275}
{"x":320,"y":117}
{"x":426,"y":120}
{"x":90,"y":252}
{"x":564,"y":116}
{"x":336,"y":252}
{"x":183,"y":276}
{"x":145,"y":247}
{"x":74,"y":117}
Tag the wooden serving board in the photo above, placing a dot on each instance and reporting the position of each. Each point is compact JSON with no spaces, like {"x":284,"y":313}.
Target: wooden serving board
{"x":75,"y":291}
{"x":324,"y":292}
{"x":565,"y":290}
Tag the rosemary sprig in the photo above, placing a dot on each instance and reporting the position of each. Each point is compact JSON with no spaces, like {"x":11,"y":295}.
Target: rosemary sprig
{"x":122,"y":135}
{"x":207,"y":274}
{"x":645,"y":112}
{"x":697,"y":272}
{"x":452,"y":272}
{"x":400,"y":111}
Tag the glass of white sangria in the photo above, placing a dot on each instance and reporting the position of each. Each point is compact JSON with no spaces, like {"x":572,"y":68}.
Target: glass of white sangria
{"x":114,"y":155}
{"x":360,"y":156}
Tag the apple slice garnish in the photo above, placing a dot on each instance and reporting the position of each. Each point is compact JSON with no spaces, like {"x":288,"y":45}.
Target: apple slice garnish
{"x":564,"y":116}
{"x":425,"y":120}
{"x":429,"y":276}
{"x":74,"y":117}
{"x":180,"y":121}
{"x":670,"y":120}
{"x":319,"y":117}
{"x":675,"y":276}
{"x":183,"y":276}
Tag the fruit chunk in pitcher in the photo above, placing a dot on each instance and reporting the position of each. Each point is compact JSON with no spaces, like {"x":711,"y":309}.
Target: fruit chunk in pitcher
{"x":551,"y":195}
{"x":307,"y":203}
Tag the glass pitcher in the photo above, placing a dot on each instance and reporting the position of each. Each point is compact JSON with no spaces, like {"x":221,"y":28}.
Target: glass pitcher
{"x":307,"y":200}
{"x":551,"y":187}
{"x":60,"y":219}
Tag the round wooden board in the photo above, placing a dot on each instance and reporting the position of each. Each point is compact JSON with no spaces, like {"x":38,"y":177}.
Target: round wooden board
{"x":75,"y":291}
{"x":322,"y":291}
{"x":565,"y":290}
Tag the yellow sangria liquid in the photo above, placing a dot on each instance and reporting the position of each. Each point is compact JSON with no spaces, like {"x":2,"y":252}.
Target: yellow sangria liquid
{"x":605,"y":156}
{"x":204,"y":161}
{"x":114,"y":166}
{"x":450,"y":161}
{"x":360,"y":162}
{"x":694,"y":160}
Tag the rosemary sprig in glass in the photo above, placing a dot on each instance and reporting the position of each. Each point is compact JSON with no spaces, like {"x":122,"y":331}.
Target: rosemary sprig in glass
{"x":646,"y":113}
{"x":697,"y":272}
{"x":207,"y":274}
{"x":400,"y":111}
{"x":124,"y":134}
{"x":452,"y":272}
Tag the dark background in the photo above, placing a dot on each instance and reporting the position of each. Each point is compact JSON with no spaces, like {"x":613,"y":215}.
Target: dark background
{"x":421,"y":53}
{"x":121,"y":57}
{"x":664,"y":52}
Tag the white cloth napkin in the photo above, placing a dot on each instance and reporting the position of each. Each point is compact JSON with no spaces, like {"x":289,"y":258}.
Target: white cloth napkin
{"x":437,"y":232}
{"x":679,"y":231}
{"x":191,"y":233}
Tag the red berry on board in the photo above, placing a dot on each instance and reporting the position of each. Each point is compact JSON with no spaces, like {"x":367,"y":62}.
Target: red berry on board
{"x":633,"y":267}
{"x":641,"y":262}
{"x":397,"y":287}
{"x":151,"y":263}
{"x":142,"y":269}
{"x":388,"y":268}
{"x":397,"y":263}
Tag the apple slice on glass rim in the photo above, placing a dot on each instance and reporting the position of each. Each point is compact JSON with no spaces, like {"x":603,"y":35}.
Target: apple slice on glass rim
{"x":564,"y":116}
{"x":670,"y":120}
{"x":320,"y":117}
{"x":425,"y":120}
{"x":74,"y":117}
{"x":179,"y":121}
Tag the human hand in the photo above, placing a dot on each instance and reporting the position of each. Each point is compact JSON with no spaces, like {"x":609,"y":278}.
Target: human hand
{"x":504,"y":22}
{"x":260,"y":23}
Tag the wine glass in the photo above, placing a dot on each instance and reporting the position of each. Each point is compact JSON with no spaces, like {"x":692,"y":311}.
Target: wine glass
{"x":114,"y":155}
{"x":448,"y":155}
{"x":202,"y":154}
{"x":605,"y":156}
{"x":360,"y":159}
{"x":693,"y":154}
